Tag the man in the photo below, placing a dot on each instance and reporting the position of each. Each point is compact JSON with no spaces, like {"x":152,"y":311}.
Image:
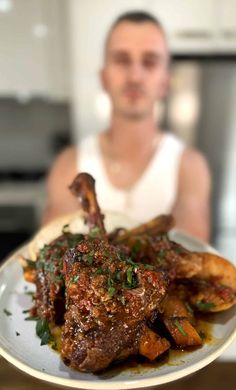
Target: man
{"x":139,"y":169}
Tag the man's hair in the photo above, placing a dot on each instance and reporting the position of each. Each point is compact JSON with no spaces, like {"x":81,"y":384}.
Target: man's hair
{"x":137,"y":17}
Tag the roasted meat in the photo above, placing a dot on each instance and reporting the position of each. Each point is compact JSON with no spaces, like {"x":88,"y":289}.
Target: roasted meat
{"x":50,"y":287}
{"x":109,"y":299}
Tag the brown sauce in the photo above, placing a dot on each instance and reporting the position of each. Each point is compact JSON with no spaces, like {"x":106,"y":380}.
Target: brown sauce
{"x":139,"y":365}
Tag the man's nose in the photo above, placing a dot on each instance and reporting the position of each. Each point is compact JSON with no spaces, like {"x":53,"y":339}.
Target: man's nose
{"x":136,"y":71}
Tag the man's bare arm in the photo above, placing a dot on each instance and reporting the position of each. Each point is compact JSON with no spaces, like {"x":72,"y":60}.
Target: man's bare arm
{"x":192,"y":208}
{"x":60,"y":199}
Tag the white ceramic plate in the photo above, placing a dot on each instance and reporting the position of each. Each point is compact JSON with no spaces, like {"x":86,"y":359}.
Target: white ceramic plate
{"x":21,"y":347}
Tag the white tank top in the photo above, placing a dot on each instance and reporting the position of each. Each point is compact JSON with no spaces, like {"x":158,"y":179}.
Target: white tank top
{"x":153,"y":194}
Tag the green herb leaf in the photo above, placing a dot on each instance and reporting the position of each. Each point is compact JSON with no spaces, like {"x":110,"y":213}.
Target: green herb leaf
{"x":43,"y":331}
{"x":177,"y":323}
{"x":111,"y":291}
{"x":161,"y":253}
{"x":66,"y":229}
{"x":204,"y":305}
{"x":88,"y":258}
{"x":31,"y":318}
{"x":30,"y":263}
{"x":117,"y":276}
{"x":94,"y":232}
{"x":131,"y":281}
{"x":202,"y":334}
{"x":122,"y":299}
{"x":110,"y":282}
{"x":74,"y":279}
{"x":188,"y":307}
{"x":26,"y":311}
{"x":136,"y":247}
{"x":98,"y":271}
{"x":29,"y":293}
{"x":149,"y":266}
{"x":7,"y":312}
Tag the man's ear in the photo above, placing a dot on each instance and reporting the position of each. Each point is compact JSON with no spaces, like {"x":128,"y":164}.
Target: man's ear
{"x":103,"y":79}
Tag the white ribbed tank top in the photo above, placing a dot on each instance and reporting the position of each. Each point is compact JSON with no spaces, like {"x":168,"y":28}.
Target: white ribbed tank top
{"x":153,"y":194}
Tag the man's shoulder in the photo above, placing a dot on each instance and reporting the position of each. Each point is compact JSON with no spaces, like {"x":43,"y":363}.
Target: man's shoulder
{"x":194,"y":167}
{"x":193,"y":159}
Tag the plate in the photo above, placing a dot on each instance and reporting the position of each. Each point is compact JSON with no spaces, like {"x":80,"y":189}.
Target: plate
{"x":21,"y":347}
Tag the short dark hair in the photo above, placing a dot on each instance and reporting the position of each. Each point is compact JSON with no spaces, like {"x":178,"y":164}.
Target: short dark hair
{"x":137,"y":17}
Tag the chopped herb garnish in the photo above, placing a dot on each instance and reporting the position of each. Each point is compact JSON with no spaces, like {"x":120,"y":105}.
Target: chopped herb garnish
{"x":7,"y":312}
{"x":111,"y":291}
{"x":122,"y":299}
{"x":117,"y":276}
{"x":98,"y":271}
{"x":31,"y":318}
{"x":58,"y":278}
{"x":94,"y":232}
{"x":110,"y":282}
{"x":161,"y":253}
{"x":149,"y":266}
{"x":49,"y":267}
{"x":121,"y":256}
{"x":179,"y":250}
{"x":88,"y":258}
{"x":177,"y":323}
{"x":66,"y":229}
{"x":26,"y":311}
{"x":129,"y":275}
{"x":43,"y":331}
{"x":30,"y":263}
{"x":74,"y":240}
{"x":188,"y":307}
{"x":74,"y":279}
{"x":136,"y":247}
{"x":131,"y":281}
{"x":29,"y":293}
{"x":204,"y":305}
{"x":202,"y":334}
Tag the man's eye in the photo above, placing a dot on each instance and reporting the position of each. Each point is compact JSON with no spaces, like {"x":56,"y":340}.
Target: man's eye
{"x":150,"y":63}
{"x":121,"y":60}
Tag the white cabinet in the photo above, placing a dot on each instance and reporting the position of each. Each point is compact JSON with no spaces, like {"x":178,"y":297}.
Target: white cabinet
{"x":198,"y":27}
{"x":32,"y":42}
{"x":226,"y":31}
{"x":189,"y":23}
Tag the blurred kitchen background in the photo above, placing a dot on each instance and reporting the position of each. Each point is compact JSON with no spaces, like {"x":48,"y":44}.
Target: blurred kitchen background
{"x":50,"y":96}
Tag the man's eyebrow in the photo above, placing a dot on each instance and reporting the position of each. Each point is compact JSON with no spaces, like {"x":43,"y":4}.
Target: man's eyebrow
{"x":151,"y":54}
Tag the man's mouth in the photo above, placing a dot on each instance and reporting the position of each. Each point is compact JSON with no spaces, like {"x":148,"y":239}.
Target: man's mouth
{"x":133,"y":93}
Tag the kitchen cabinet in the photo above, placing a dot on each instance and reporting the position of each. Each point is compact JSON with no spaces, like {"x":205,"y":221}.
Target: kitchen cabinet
{"x":226,"y":31}
{"x":189,"y":24}
{"x":33,"y":46}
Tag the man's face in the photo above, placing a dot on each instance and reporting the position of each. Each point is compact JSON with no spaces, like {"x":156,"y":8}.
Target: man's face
{"x":135,"y":72}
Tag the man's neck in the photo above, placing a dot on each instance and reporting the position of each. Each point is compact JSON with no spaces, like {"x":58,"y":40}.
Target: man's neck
{"x":127,"y":136}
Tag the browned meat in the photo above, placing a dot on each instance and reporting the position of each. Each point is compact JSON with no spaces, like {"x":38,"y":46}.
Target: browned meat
{"x":49,"y":280}
{"x":109,"y":299}
{"x":83,"y":187}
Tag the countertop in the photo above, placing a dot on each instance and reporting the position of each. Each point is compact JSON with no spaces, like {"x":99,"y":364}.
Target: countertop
{"x":216,"y":376}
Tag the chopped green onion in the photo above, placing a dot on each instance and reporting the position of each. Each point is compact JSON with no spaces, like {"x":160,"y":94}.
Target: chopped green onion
{"x":7,"y":312}
{"x":204,"y":305}
{"x":177,"y":323}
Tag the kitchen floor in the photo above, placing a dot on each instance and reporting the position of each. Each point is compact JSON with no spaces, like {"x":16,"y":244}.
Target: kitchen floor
{"x":216,"y":376}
